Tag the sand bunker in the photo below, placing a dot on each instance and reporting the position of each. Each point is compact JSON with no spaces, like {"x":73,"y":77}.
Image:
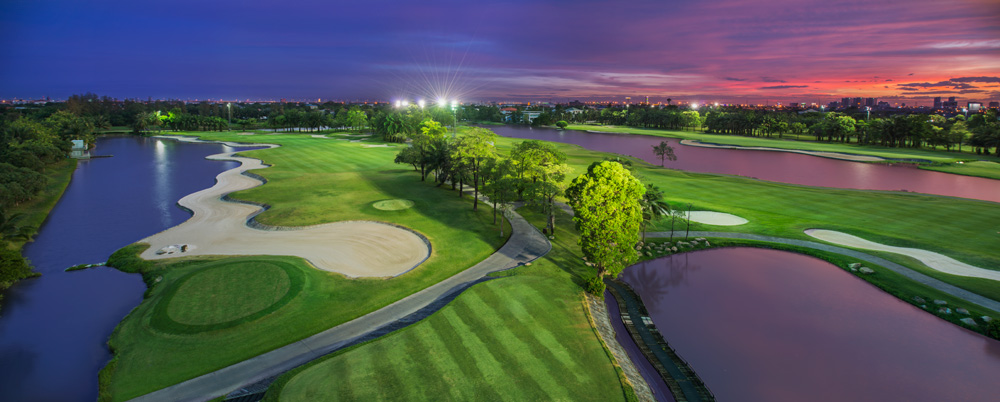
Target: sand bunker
{"x":217,"y":227}
{"x":934,"y":260}
{"x":717,"y":218}
{"x":832,"y":155}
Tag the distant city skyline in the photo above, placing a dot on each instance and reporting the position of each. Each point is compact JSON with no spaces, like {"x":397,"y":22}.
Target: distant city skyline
{"x":723,"y":51}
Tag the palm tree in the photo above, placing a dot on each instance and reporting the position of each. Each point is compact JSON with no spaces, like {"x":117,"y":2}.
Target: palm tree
{"x":653,"y":207}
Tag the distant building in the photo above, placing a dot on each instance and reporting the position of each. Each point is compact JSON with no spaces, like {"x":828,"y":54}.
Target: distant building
{"x":856,"y":102}
{"x":937,"y":103}
{"x":871,"y":102}
{"x":994,"y":105}
{"x":845,"y":102}
{"x":975,"y":107}
{"x":834,"y":105}
{"x":531,"y":115}
{"x":952,"y":103}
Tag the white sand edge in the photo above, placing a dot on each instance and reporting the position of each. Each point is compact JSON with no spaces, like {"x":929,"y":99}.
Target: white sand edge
{"x":217,"y":227}
{"x":934,"y":260}
{"x":831,"y":155}
{"x":717,"y":218}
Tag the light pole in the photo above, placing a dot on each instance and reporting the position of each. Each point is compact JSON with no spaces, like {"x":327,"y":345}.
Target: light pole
{"x":868,"y":110}
{"x":229,"y":107}
{"x":966,"y":111}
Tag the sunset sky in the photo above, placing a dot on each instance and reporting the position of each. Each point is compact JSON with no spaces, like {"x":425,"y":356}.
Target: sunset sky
{"x":712,"y":50}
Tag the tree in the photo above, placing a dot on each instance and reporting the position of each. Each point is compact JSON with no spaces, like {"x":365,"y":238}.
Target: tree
{"x":357,"y":119}
{"x":664,"y":151}
{"x":605,"y":202}
{"x":562,"y":124}
{"x":653,"y":207}
{"x":472,"y":149}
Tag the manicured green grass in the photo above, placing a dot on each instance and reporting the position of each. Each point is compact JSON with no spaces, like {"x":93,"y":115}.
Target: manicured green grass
{"x":37,"y":209}
{"x":522,"y":337}
{"x":774,"y":142}
{"x":966,"y":230}
{"x":987,"y":169}
{"x":312,"y":181}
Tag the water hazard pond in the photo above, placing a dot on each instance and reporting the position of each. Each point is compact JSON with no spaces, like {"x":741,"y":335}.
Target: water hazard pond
{"x":783,"y":167}
{"x":54,"y":328}
{"x":767,"y":325}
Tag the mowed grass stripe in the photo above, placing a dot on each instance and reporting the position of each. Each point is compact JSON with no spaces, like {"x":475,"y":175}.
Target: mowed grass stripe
{"x":427,"y":372}
{"x":481,"y":370}
{"x":386,"y":377}
{"x":500,"y":341}
{"x":543,"y":344}
{"x":359,"y":384}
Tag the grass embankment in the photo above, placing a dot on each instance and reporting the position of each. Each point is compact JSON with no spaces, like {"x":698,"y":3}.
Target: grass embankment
{"x":962,"y":229}
{"x":311,"y":181}
{"x":522,"y":337}
{"x":940,"y":160}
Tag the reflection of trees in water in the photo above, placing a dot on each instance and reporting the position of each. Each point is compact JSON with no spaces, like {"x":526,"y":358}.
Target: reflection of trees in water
{"x":992,"y":347}
{"x":653,"y":279}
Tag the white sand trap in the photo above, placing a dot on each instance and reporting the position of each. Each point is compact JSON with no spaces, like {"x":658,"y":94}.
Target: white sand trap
{"x":376,"y":146}
{"x":319,"y":136}
{"x":934,"y":260}
{"x":717,"y":218}
{"x":217,"y":227}
{"x":831,"y":155}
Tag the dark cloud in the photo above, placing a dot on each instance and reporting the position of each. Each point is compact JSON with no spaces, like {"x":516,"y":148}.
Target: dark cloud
{"x":769,"y":79}
{"x":735,"y":79}
{"x":784,"y":87}
{"x":975,"y":79}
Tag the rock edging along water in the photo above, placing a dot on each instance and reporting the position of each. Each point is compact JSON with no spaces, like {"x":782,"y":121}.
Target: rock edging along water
{"x":684,"y":383}
{"x":897,"y":268}
{"x":525,"y":244}
{"x":218,"y":227}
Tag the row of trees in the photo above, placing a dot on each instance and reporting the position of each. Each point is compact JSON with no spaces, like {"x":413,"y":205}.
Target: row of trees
{"x":611,"y":206}
{"x":533,"y":172}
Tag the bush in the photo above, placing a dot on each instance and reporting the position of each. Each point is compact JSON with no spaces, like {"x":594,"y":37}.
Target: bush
{"x":595,"y":286}
{"x":561,"y":124}
{"x":993,"y":329}
{"x":12,"y":266}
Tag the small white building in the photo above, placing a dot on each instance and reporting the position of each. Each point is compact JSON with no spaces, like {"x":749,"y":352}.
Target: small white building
{"x":79,"y":150}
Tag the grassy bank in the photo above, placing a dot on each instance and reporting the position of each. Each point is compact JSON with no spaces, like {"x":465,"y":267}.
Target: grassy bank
{"x":939,"y":160}
{"x":521,"y":337}
{"x":311,"y":181}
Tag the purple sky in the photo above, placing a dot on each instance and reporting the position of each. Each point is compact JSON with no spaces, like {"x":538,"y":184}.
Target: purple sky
{"x":711,"y":50}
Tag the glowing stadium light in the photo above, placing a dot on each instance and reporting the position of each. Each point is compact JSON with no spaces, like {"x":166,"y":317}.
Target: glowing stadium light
{"x":398,"y":104}
{"x":406,"y":103}
{"x":454,"y":104}
{"x":694,"y":106}
{"x":422,"y":103}
{"x":442,"y":102}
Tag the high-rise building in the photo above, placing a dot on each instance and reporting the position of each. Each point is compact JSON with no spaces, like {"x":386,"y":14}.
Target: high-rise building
{"x":975,"y":107}
{"x":937,"y":102}
{"x":856,"y":102}
{"x":952,"y":103}
{"x":994,"y":105}
{"x":845,"y":102}
{"x":870,"y":102}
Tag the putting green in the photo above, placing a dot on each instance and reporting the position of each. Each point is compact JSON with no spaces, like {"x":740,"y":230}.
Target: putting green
{"x":397,"y":204}
{"x":226,"y":294}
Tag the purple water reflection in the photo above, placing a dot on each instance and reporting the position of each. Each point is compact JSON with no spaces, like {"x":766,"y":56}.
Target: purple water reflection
{"x":781,"y":167}
{"x":767,"y":325}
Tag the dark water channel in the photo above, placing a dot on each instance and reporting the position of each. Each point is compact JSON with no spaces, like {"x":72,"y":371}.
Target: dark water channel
{"x":767,"y":325}
{"x":54,"y":328}
{"x":781,"y":167}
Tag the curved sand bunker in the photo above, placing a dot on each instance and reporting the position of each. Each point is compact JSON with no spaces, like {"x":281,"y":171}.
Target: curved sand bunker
{"x":934,"y":260}
{"x":717,"y":218}
{"x":831,"y":155}
{"x":217,"y":227}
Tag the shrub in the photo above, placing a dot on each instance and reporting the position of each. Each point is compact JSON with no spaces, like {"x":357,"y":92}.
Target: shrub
{"x":595,"y":286}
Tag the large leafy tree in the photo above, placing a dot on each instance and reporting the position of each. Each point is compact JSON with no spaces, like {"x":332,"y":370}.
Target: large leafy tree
{"x":471,"y":151}
{"x":608,"y":214}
